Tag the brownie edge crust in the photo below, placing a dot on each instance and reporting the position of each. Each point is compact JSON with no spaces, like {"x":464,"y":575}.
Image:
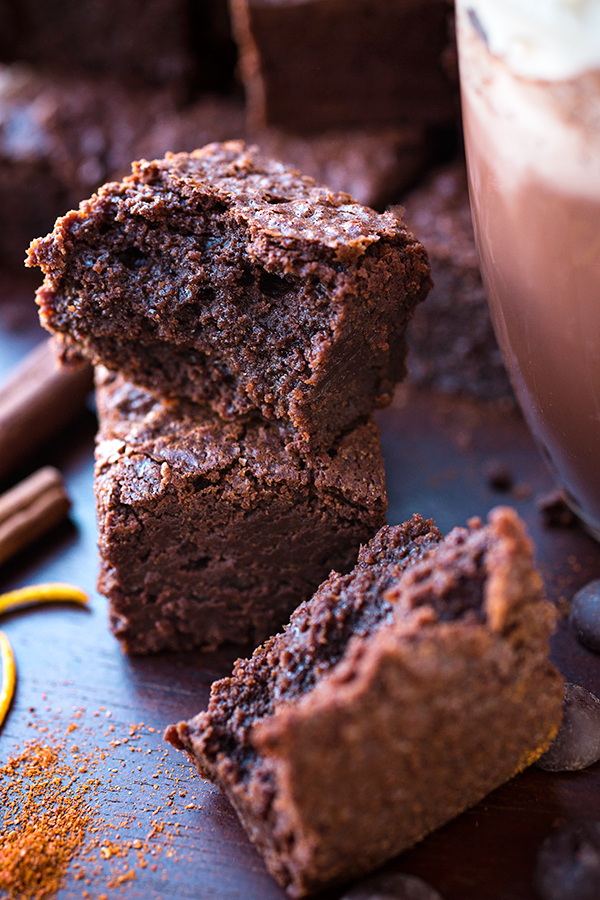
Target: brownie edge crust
{"x":395,"y":698}
{"x":224,"y":277}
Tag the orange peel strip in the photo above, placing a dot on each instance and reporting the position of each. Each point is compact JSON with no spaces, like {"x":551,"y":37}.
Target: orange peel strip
{"x":9,"y":676}
{"x":49,"y":592}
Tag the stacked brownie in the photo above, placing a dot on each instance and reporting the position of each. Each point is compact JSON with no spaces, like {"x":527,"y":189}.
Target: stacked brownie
{"x":255,"y":320}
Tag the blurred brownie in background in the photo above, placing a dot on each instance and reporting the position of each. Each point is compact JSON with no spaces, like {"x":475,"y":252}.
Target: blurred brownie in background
{"x":374,"y":166}
{"x":139,"y":41}
{"x":310,"y":65}
{"x":61,"y":137}
{"x":452,"y":346}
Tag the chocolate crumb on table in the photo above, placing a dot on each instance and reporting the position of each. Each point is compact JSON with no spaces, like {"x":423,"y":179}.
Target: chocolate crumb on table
{"x":343,"y":739}
{"x":212,"y":532}
{"x":555,"y":510}
{"x":227,"y":278}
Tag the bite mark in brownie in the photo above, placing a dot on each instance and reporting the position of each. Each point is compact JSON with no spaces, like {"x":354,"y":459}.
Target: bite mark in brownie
{"x":399,"y":695}
{"x":213,"y":532}
{"x":223,"y":277}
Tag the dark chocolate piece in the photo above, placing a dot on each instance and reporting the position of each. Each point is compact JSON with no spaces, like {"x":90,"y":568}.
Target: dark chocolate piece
{"x":568,"y":865}
{"x":396,"y":697}
{"x":577,"y":744}
{"x":392,"y":886}
{"x":584,"y":615}
{"x":227,"y":278}
{"x":213,"y":532}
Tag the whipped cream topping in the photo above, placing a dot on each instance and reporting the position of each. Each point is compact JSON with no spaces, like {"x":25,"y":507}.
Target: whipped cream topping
{"x":540,"y":39}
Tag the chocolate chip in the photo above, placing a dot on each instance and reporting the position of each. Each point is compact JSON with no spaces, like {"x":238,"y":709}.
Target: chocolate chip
{"x":577,"y":744}
{"x":584,"y":615}
{"x":393,"y":886}
{"x":499,"y":476}
{"x":568,"y":864}
{"x":555,"y":510}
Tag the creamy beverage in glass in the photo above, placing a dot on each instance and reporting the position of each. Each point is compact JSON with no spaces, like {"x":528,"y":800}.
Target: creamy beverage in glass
{"x":530,"y":84}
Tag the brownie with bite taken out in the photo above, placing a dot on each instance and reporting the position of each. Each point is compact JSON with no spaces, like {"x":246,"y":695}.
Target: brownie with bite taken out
{"x":395,"y":698}
{"x":226,"y":278}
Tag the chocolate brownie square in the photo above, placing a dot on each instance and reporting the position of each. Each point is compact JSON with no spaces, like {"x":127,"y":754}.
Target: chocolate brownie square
{"x":452,"y":346}
{"x":224,"y":277}
{"x":213,"y":532}
{"x":399,"y":695}
{"x":312,"y":65}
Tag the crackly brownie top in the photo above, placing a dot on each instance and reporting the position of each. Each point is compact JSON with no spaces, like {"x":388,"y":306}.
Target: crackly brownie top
{"x":192,"y":443}
{"x":274,"y":202}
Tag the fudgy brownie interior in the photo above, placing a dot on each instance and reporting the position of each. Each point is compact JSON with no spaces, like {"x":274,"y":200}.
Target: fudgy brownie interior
{"x":220,"y":276}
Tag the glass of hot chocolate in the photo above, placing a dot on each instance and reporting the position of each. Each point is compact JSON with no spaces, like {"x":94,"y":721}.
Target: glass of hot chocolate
{"x":530,"y":84}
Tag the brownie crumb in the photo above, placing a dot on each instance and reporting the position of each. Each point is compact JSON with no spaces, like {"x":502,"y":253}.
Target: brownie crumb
{"x":499,"y":476}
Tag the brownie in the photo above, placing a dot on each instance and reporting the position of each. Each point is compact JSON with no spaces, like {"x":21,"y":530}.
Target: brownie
{"x":212,"y":532}
{"x":451,"y":339}
{"x":225,"y":277}
{"x":375,"y":166}
{"x":137,"y":41}
{"x":399,"y":695}
{"x":312,"y":65}
{"x":60,"y":138}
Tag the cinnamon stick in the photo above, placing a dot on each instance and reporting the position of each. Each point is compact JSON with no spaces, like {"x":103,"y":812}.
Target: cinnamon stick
{"x":30,"y":509}
{"x":37,"y":401}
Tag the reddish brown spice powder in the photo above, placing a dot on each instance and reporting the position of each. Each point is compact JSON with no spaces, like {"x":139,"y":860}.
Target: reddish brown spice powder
{"x":44,"y":816}
{"x":52,"y":831}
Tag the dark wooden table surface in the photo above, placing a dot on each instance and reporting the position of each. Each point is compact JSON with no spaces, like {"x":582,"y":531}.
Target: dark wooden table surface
{"x":74,"y":680}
